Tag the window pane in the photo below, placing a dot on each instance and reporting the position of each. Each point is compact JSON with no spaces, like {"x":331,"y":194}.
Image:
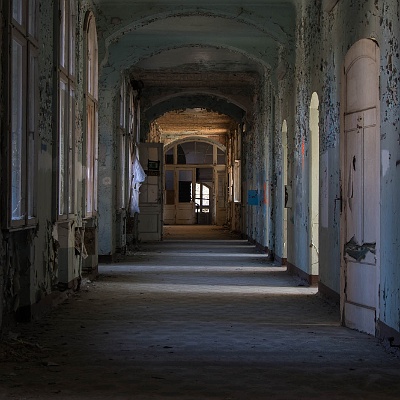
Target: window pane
{"x":95,"y":157}
{"x":32,"y":26}
{"x":71,"y":151}
{"x":72,"y":37}
{"x":195,"y":153}
{"x":32,"y":115}
{"x":122,"y":102}
{"x":221,"y":159}
{"x":169,"y":156}
{"x":17,"y":10}
{"x":63,"y":33}
{"x":122,"y":170}
{"x":204,"y":153}
{"x":89,"y":158}
{"x":17,"y":127}
{"x":236,"y":182}
{"x":62,"y":147}
{"x":92,"y":68}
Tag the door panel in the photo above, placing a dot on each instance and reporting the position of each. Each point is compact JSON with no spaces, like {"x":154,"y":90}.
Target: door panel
{"x":360,"y":177}
{"x":185,"y":209}
{"x":221,"y":198}
{"x":151,"y":193}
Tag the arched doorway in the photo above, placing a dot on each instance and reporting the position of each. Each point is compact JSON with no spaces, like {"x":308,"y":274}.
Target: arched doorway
{"x":314,"y":187}
{"x":195,"y":182}
{"x":360,"y":170}
{"x":285,"y":193}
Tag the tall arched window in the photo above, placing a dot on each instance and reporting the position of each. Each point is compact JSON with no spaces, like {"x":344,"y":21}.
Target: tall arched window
{"x":314,"y":184}
{"x":66,"y":109}
{"x":23,"y":111}
{"x":91,"y":115}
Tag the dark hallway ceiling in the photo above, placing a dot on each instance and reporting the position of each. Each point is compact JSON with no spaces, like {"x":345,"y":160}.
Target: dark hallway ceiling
{"x":213,"y":49}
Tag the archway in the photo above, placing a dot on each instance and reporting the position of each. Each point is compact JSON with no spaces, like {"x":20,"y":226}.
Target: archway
{"x":195,"y":181}
{"x":314,"y":187}
{"x":360,"y":165}
{"x":285,"y":190}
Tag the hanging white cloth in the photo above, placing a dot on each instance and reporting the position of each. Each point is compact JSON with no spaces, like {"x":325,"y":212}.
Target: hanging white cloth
{"x":137,"y":178}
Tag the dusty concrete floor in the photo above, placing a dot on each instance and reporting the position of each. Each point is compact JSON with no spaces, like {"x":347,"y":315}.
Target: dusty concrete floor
{"x":208,"y":318}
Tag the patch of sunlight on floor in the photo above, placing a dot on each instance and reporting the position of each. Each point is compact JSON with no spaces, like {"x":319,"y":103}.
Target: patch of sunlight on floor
{"x":220,"y":289}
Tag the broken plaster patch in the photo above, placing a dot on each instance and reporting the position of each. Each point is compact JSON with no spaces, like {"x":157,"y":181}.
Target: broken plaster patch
{"x":385,"y":162}
{"x":358,"y":251}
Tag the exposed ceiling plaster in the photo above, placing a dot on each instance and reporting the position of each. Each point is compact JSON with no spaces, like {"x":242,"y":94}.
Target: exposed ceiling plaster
{"x":214,"y":49}
{"x":198,"y":121}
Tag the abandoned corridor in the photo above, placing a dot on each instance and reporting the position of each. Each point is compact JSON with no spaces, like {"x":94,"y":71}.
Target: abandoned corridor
{"x":207,"y":317}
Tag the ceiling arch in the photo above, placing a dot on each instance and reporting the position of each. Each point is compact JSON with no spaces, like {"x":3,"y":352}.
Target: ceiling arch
{"x":195,"y":34}
{"x":216,"y":104}
{"x":194,"y":139}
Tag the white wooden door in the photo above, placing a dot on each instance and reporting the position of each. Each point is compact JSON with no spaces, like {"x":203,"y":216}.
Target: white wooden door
{"x":221,"y":198}
{"x":361,"y":188}
{"x":185,"y":204}
{"x":150,"y":199}
{"x":169,"y":197}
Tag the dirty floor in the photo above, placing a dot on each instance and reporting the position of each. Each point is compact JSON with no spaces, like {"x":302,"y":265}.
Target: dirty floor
{"x":202,"y":316}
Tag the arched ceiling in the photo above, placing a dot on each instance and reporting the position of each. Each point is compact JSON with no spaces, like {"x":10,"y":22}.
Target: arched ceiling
{"x":214,"y":49}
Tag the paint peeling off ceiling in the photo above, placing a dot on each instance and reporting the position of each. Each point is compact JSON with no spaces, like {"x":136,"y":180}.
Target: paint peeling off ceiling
{"x":196,"y":121}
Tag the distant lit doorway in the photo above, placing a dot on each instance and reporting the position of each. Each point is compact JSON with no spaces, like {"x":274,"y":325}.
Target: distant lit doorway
{"x":194,"y":183}
{"x":202,"y":202}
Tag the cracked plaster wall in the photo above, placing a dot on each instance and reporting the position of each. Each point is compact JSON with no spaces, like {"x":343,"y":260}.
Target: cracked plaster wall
{"x":2,"y":249}
{"x":257,"y":151}
{"x":351,"y":21}
{"x":323,"y":40}
{"x":388,"y":39}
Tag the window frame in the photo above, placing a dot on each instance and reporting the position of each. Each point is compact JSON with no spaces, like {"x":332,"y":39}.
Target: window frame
{"x":27,"y":141}
{"x":90,"y":199}
{"x":65,"y":111}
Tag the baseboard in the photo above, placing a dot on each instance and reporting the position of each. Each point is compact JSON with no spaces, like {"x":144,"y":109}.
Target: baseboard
{"x":44,"y":306}
{"x":107,"y":258}
{"x":390,"y":335}
{"x":328,"y":293}
{"x":279,"y":260}
{"x":261,"y":248}
{"x":312,"y":280}
{"x":91,"y":273}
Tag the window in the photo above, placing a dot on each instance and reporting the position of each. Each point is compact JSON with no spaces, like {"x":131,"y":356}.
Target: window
{"x":122,"y":143}
{"x":202,"y":198}
{"x":237,"y":182}
{"x":66,"y":110}
{"x":23,"y":112}
{"x":91,"y":116}
{"x":122,"y":105}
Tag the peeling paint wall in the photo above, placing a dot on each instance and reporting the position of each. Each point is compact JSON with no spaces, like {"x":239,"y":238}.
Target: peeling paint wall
{"x":388,"y":40}
{"x":2,"y":244}
{"x":257,"y":168}
{"x":323,"y":40}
